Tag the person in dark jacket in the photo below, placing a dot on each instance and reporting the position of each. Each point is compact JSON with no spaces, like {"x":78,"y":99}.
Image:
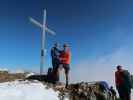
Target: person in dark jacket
{"x":55,"y":53}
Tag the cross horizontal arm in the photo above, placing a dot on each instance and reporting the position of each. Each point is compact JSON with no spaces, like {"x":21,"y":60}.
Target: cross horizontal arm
{"x":50,"y":31}
{"x":35,"y":22}
{"x":41,"y":26}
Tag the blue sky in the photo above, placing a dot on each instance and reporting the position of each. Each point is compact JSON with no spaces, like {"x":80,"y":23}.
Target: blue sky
{"x":93,"y":28}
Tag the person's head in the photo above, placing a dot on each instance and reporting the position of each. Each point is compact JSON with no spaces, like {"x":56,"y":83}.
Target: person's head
{"x":119,"y":67}
{"x":56,"y":45}
{"x":50,"y":70}
{"x":65,"y":46}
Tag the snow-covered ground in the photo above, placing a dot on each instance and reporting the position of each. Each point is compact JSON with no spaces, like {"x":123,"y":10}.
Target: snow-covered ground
{"x":26,"y":90}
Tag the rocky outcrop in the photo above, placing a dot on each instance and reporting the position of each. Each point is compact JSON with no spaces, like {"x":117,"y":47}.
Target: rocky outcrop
{"x":85,"y":91}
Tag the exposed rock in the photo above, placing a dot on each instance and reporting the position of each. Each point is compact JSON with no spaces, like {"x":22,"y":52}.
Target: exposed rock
{"x":84,"y":91}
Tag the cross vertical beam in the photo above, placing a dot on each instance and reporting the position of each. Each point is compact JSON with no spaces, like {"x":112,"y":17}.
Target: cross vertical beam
{"x":43,"y":43}
{"x":44,"y":29}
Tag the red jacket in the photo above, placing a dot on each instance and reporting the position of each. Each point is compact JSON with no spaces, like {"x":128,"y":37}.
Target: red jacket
{"x":65,"y":57}
{"x":119,"y":79}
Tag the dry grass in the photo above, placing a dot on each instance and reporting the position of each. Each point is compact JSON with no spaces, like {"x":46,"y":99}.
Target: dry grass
{"x":6,"y":77}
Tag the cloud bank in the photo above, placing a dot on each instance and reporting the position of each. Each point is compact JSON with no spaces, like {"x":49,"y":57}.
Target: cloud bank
{"x":103,"y":68}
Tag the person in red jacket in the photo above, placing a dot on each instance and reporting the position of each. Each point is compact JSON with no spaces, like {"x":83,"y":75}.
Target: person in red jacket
{"x":122,"y":83}
{"x":65,"y":61}
{"x":119,"y":81}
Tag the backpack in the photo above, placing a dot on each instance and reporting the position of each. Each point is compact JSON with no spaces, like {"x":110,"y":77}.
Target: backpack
{"x":131,"y":81}
{"x":127,"y":80}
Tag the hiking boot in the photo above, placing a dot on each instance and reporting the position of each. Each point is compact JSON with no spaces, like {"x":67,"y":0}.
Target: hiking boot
{"x":66,"y":86}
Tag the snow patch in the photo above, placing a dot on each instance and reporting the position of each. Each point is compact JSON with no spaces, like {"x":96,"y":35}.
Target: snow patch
{"x":30,"y":74}
{"x":26,"y":90}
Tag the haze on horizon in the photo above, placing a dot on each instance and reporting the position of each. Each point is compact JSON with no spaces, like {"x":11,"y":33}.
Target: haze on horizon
{"x":99,"y":33}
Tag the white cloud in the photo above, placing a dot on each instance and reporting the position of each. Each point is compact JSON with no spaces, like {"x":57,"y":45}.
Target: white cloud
{"x":102,"y":68}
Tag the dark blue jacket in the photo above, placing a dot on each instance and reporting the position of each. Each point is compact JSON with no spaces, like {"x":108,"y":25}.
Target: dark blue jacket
{"x":55,"y":53}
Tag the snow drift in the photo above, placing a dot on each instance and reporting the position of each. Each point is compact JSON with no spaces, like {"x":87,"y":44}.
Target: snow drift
{"x":26,"y":90}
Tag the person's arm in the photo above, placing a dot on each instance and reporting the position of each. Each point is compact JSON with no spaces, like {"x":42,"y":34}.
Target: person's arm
{"x":52,"y":53}
{"x":60,"y":51}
